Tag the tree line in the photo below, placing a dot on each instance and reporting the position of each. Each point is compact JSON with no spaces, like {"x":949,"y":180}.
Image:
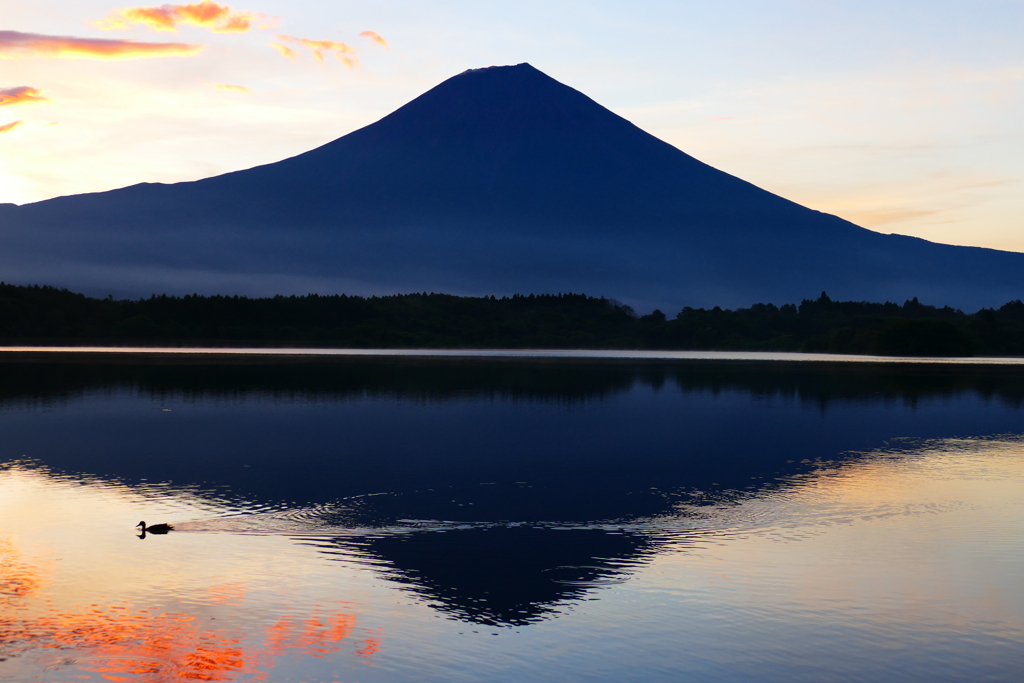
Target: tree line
{"x":48,"y":315}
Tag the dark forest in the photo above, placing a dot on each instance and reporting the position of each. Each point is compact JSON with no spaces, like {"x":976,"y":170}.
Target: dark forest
{"x":39,"y":315}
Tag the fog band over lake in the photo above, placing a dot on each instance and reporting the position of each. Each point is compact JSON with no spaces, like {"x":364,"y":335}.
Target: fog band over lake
{"x":517,"y":518}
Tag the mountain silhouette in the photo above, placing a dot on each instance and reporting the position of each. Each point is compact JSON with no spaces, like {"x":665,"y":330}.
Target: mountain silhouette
{"x":498,"y":180}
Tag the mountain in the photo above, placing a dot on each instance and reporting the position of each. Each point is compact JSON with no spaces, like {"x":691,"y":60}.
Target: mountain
{"x":498,"y":180}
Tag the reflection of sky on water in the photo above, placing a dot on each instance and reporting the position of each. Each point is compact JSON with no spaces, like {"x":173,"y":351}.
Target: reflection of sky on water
{"x":894,"y":566}
{"x":82,"y":596}
{"x":876,"y":538}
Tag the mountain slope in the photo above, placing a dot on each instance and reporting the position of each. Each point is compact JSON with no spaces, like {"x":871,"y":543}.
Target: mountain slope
{"x":498,"y":180}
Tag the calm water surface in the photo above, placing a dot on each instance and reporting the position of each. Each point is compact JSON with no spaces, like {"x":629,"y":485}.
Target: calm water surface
{"x":395,"y":519}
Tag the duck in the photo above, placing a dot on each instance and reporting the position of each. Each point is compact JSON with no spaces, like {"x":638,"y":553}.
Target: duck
{"x":155,"y":529}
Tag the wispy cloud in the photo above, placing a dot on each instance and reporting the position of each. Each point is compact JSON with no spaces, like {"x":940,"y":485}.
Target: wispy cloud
{"x":20,"y":95}
{"x":375,"y":37}
{"x":284,"y":50}
{"x":14,"y":44}
{"x":230,"y":88}
{"x":345,"y":54}
{"x":206,"y":14}
{"x":328,"y":45}
{"x":7,"y":127}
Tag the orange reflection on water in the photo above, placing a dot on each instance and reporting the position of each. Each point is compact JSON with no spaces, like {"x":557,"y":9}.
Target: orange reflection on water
{"x":370,"y":647}
{"x":17,"y":578}
{"x":123,"y":644}
{"x":315,"y":636}
{"x":227,"y":593}
{"x":117,"y":642}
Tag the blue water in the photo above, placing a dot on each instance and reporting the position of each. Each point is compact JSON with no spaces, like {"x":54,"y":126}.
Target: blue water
{"x":525,"y":519}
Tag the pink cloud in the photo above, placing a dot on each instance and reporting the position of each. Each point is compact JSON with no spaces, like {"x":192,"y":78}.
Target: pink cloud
{"x":14,"y":44}
{"x":20,"y":95}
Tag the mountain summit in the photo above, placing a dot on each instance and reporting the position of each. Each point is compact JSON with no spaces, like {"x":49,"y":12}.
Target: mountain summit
{"x":498,"y":180}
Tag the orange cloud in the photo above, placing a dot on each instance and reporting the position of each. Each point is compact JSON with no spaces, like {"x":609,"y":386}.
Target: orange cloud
{"x":21,"y":95}
{"x":14,"y":44}
{"x":230,"y":88}
{"x":375,"y":37}
{"x":206,"y":14}
{"x":344,"y":53}
{"x":285,"y":51}
{"x":10,"y":126}
{"x":318,"y":44}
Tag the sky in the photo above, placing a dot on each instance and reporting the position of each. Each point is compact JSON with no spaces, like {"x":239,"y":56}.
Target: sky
{"x":901,"y":117}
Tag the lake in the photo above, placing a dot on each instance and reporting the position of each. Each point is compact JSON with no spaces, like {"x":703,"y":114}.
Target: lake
{"x":509,"y":517}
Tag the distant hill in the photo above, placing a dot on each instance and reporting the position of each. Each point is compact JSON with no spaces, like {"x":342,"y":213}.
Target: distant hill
{"x":498,"y":180}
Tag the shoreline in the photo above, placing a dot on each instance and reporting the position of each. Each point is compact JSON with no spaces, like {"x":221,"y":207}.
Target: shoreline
{"x":761,"y":356}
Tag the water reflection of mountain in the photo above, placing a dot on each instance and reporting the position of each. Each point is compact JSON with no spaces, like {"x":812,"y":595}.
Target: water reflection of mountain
{"x":479,"y":440}
{"x":503,"y":450}
{"x":500,"y":575}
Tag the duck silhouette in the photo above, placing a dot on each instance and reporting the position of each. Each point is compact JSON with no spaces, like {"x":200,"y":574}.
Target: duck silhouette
{"x":155,"y":529}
